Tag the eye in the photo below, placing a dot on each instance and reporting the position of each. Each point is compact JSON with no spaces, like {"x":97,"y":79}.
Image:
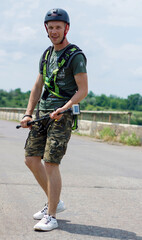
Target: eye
{"x":58,"y":27}
{"x":50,"y":28}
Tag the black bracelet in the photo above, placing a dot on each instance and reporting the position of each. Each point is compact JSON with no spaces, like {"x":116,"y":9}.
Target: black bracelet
{"x":27,"y":116}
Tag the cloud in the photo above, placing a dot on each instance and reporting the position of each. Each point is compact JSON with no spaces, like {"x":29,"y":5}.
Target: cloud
{"x":13,"y":56}
{"x":17,"y":22}
{"x":127,"y":52}
{"x":118,"y":13}
{"x":123,"y":52}
{"x":19,"y":33}
{"x":17,"y":9}
{"x":3,"y":55}
{"x":18,"y":56}
{"x":137,"y":72}
{"x":23,"y":33}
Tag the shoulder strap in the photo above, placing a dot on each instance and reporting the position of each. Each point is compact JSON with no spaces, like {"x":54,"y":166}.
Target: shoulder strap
{"x":68,"y":54}
{"x":45,"y":60}
{"x":63,"y":61}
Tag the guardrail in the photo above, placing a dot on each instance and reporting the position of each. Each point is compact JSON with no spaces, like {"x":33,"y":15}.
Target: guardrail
{"x":12,"y":113}
{"x":106,"y":116}
{"x":88,"y":121}
{"x":101,"y":116}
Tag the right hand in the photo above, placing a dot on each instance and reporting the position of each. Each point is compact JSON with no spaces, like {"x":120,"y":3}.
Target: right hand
{"x":24,"y":122}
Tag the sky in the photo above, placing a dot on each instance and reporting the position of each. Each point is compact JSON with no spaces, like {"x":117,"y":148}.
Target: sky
{"x":108,"y":31}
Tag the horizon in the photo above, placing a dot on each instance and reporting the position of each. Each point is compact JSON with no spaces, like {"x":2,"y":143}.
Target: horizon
{"x":96,"y":95}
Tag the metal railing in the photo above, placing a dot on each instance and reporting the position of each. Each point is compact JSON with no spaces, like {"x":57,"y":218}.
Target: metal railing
{"x":106,"y":116}
{"x":98,"y":116}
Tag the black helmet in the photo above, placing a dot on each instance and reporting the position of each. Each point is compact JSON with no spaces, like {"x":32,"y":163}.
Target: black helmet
{"x":57,"y":14}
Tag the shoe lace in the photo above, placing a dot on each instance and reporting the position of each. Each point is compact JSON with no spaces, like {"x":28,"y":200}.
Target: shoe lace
{"x":46,"y":219}
{"x":45,"y":208}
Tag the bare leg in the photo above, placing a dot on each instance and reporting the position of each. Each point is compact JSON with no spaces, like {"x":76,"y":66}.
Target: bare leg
{"x":38,"y":170}
{"x":54,"y":186}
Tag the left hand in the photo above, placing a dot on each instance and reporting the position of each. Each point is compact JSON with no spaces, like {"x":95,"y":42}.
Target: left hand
{"x":54,"y":115}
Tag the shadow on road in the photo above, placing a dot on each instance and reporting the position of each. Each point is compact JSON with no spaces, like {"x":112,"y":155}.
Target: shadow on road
{"x":96,"y":231}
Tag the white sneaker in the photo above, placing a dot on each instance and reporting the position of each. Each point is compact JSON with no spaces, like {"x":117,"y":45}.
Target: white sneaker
{"x":39,"y":215}
{"x":47,"y":223}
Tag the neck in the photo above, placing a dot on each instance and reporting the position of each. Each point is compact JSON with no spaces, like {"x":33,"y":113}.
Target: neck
{"x":59,"y":47}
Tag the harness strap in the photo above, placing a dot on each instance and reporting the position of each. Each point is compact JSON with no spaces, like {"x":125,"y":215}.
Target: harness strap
{"x":46,"y":57}
{"x":75,"y":122}
{"x":63,"y":61}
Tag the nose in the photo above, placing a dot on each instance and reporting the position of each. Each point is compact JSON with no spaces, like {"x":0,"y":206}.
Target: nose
{"x":54,"y":30}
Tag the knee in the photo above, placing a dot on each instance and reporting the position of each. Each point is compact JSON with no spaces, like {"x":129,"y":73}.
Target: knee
{"x":28,"y":162}
{"x":32,"y":162}
{"x":51,"y":167}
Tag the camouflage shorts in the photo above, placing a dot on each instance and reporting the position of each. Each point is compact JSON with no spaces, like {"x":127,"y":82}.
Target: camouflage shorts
{"x":50,"y":144}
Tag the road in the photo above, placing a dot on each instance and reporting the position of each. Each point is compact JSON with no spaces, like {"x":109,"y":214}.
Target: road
{"x":102,"y":190}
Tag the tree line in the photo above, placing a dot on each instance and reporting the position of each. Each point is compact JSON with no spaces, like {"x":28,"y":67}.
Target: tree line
{"x":14,"y":98}
{"x":94,"y":102}
{"x":18,"y":99}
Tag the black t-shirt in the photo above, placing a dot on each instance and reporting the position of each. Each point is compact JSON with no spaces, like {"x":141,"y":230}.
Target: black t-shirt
{"x":65,"y":78}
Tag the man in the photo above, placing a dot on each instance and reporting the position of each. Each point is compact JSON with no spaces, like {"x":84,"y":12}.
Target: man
{"x":65,"y":84}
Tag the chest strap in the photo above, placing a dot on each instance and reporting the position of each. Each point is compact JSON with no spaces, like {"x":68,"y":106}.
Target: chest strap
{"x":63,"y":61}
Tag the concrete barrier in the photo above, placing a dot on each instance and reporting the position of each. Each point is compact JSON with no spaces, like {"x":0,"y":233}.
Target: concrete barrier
{"x":12,"y":113}
{"x":90,"y":128}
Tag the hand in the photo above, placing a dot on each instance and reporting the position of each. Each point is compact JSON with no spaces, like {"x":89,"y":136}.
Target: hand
{"x":54,"y":115}
{"x":24,"y":122}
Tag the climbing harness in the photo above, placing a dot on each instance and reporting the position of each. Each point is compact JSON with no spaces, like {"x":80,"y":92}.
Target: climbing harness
{"x":50,"y":83}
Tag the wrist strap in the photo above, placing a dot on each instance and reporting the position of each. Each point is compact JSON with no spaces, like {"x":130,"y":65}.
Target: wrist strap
{"x":27,"y":115}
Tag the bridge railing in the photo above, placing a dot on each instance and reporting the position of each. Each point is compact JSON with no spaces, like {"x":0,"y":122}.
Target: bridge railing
{"x":90,"y":122}
{"x":97,"y":116}
{"x":12,"y":113}
{"x":106,"y":116}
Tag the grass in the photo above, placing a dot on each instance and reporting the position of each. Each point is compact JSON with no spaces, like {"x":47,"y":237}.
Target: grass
{"x":136,"y":118}
{"x":131,"y":139}
{"x":108,"y":134}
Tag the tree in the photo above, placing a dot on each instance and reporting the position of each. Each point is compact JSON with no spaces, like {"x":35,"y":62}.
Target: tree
{"x":102,"y":101}
{"x":134,"y":101}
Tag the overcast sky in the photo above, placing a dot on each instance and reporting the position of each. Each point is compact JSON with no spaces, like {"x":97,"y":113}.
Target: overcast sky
{"x":108,"y":31}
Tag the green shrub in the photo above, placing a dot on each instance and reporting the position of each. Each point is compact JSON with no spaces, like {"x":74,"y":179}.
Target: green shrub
{"x":136,"y":118}
{"x":131,"y":139}
{"x":107,"y":133}
{"x":123,"y":137}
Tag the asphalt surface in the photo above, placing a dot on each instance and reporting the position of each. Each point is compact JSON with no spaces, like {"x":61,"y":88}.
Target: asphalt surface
{"x":102,"y":190}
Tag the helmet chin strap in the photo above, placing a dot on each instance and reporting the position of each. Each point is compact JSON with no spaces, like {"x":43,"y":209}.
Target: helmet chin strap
{"x":65,"y":33}
{"x":46,"y":29}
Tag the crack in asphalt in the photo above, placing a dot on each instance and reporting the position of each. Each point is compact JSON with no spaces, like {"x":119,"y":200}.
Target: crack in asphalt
{"x":69,"y":186}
